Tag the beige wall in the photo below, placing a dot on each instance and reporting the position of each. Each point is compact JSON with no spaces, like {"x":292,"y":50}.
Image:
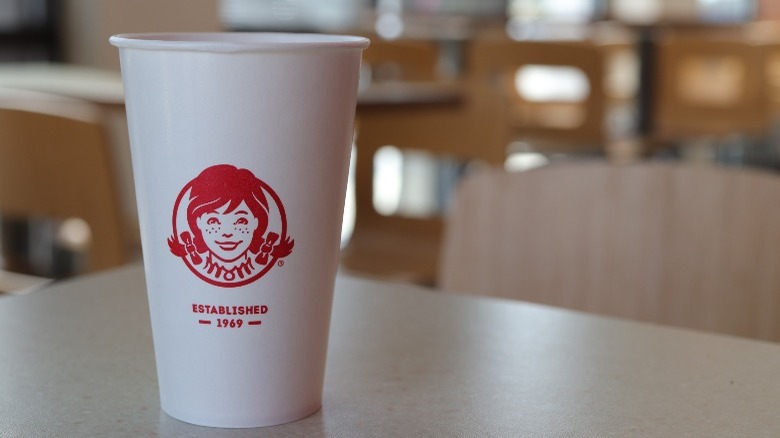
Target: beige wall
{"x":88,"y":24}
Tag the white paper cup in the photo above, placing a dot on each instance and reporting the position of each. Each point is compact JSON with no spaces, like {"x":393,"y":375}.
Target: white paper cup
{"x":240,"y":145}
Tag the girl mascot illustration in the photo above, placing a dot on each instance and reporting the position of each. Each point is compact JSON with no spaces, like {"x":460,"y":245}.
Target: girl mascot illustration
{"x":227,"y":215}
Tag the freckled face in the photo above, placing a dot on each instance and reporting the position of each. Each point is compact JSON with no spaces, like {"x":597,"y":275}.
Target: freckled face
{"x":228,"y":234}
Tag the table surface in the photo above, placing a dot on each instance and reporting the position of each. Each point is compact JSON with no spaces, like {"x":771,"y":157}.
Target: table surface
{"x":94,"y":85}
{"x":384,"y":94}
{"x":77,"y":360}
{"x":105,"y":87}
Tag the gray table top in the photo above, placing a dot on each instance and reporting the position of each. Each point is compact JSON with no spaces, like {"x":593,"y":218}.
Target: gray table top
{"x":76,"y":360}
{"x":94,"y":85}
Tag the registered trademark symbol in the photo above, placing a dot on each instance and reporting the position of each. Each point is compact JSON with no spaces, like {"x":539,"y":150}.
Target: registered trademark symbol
{"x":281,"y":263}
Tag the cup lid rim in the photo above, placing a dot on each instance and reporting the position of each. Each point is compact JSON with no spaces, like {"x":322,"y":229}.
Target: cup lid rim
{"x":237,"y":41}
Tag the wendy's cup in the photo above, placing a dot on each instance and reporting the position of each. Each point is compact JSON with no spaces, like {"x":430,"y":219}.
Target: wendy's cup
{"x":240,"y":145}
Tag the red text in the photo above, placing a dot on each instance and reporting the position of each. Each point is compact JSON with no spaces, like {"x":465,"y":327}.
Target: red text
{"x":229,"y":310}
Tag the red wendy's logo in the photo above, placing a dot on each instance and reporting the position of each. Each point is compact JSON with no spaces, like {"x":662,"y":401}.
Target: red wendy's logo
{"x":226,"y":230}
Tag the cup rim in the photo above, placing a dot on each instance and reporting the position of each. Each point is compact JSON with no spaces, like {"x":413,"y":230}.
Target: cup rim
{"x":230,"y":42}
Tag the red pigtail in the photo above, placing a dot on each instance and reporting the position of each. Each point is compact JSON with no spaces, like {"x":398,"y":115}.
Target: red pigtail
{"x":283,"y":249}
{"x":182,"y":250}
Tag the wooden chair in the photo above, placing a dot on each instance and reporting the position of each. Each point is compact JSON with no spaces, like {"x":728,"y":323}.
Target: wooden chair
{"x":709,"y":86}
{"x":767,"y":37}
{"x":549,"y":125}
{"x":400,"y":60}
{"x":417,"y":114}
{"x":54,"y":164}
{"x":691,"y":246}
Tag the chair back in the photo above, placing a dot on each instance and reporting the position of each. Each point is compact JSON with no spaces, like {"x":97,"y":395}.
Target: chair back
{"x":421,"y":118}
{"x":400,"y":60}
{"x":691,"y":246}
{"x":56,"y":165}
{"x":710,"y":85}
{"x":513,"y":107}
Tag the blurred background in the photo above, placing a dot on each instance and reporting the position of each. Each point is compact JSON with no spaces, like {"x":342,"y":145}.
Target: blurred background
{"x":448,"y":87}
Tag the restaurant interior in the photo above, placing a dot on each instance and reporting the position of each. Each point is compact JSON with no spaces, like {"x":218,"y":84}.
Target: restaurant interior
{"x":619,"y":157}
